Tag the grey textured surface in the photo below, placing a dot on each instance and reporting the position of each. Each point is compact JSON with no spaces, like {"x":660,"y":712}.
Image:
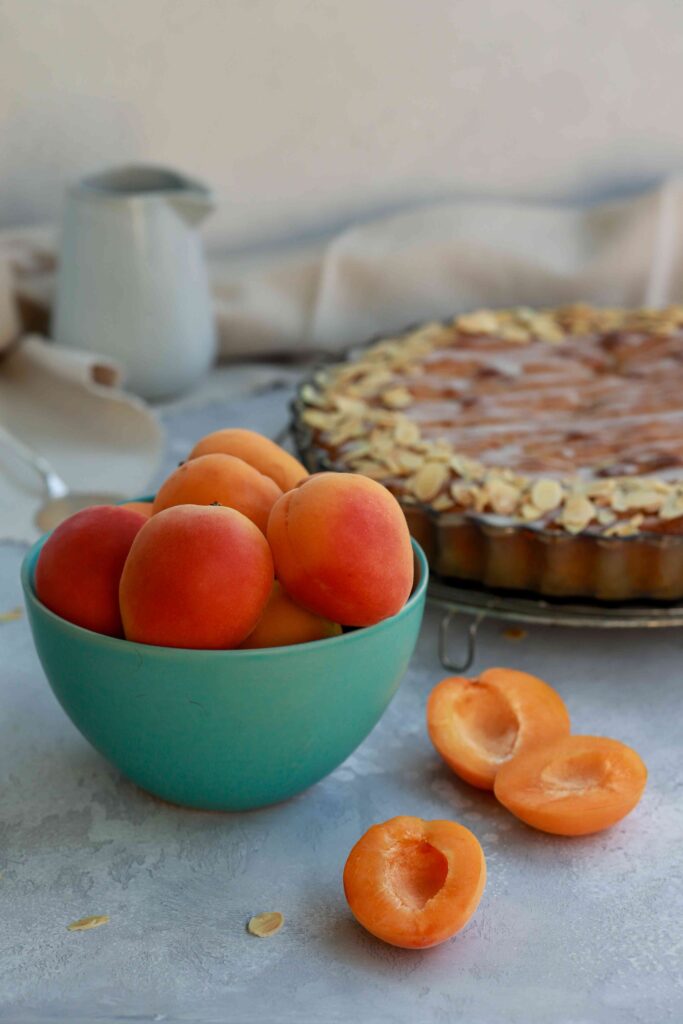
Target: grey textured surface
{"x":583,"y":931}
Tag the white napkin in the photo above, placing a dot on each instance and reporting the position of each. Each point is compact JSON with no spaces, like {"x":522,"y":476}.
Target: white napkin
{"x":68,"y":407}
{"x":428,"y":262}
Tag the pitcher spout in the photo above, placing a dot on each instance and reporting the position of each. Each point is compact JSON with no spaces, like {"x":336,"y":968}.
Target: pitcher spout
{"x":193,"y":207}
{"x":190,"y":199}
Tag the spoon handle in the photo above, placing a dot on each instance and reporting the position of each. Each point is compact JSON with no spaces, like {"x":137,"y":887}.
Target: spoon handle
{"x":54,"y":485}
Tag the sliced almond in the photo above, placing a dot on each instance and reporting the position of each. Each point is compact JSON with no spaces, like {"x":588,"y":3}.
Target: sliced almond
{"x":397,"y":398}
{"x":428,"y":481}
{"x":442,"y":502}
{"x":437,"y":453}
{"x":546,"y":494}
{"x":577,"y":513}
{"x":648,"y":500}
{"x":406,"y":432}
{"x":672,"y":507}
{"x":346,"y":431}
{"x":606,"y":517}
{"x":358,"y":450}
{"x":349,"y":405}
{"x":368,"y":467}
{"x":409,"y":461}
{"x":319,"y":419}
{"x":619,"y":499}
{"x":84,"y":924}
{"x":467,"y":468}
{"x":624,"y":528}
{"x":546,"y":328}
{"x":480,"y":322}
{"x":266,"y":924}
{"x":12,"y":615}
{"x":502,"y":497}
{"x":463,"y":494}
{"x":518,"y":335}
{"x":601,"y":488}
{"x":529,"y":512}
{"x":381,"y":442}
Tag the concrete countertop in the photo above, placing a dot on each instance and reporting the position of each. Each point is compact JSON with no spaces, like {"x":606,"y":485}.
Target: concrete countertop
{"x":569,"y":931}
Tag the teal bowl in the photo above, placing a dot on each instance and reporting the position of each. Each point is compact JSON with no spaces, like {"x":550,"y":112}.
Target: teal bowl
{"x":225,"y":730}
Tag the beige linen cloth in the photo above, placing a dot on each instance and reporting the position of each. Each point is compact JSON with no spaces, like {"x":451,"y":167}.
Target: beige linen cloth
{"x":382,"y":275}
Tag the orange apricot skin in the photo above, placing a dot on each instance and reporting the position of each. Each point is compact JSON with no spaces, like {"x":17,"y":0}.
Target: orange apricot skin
{"x":221,"y":479}
{"x":197,"y":577}
{"x":79,"y":567}
{"x":259,"y":451}
{"x":378,"y":907}
{"x":522,"y":702}
{"x":143,"y":507}
{"x":342,"y":548}
{"x":531,"y":785}
{"x":284,"y":623}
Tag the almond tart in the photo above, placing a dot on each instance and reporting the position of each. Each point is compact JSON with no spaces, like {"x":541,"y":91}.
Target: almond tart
{"x":537,"y":450}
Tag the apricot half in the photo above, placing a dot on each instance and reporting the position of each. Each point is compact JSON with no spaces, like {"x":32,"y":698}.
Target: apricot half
{"x":80,"y":564}
{"x":573,"y":786}
{"x":196,"y":576}
{"x":478,"y":724}
{"x":223,"y":480}
{"x":259,"y":451}
{"x":415,"y":883}
{"x":342,"y":548}
{"x":284,"y":623}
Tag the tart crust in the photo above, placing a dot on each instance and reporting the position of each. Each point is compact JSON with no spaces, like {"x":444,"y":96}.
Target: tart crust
{"x":536,"y":450}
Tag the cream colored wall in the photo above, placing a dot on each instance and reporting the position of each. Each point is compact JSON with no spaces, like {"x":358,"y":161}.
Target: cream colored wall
{"x":305,"y":113}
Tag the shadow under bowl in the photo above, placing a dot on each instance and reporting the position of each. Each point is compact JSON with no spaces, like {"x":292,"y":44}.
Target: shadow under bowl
{"x":225,"y":730}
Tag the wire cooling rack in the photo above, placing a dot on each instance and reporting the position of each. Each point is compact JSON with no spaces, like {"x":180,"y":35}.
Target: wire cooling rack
{"x":475,"y":604}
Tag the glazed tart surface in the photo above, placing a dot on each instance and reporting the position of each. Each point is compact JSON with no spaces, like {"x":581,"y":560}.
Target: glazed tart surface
{"x":539,"y":450}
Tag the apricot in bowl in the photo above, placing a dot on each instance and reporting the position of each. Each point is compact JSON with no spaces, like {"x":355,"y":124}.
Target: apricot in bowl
{"x":225,"y":729}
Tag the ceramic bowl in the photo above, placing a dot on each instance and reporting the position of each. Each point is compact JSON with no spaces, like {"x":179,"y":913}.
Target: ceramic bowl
{"x":225,"y":730}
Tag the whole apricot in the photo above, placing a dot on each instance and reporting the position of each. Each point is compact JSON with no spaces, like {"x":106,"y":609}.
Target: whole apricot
{"x":196,"y":576}
{"x":79,"y":567}
{"x":284,"y":623}
{"x":259,"y":451}
{"x":223,"y":480}
{"x":342,"y":549}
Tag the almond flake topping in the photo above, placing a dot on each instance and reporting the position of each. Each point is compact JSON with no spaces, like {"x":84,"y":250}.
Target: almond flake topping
{"x":406,"y":432}
{"x":354,"y":406}
{"x":482,"y":322}
{"x":502,"y":497}
{"x":530,"y":512}
{"x":428,"y":481}
{"x":672,"y":507}
{"x":359,"y":407}
{"x":319,"y":419}
{"x":546,"y":494}
{"x":397,"y":398}
{"x":577,"y":513}
{"x":442,"y":502}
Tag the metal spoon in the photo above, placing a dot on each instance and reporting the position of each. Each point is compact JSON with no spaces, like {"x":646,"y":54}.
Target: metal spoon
{"x":60,"y":502}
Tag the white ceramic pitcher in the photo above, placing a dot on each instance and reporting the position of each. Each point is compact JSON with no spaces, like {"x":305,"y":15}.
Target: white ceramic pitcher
{"x":132,"y":281}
